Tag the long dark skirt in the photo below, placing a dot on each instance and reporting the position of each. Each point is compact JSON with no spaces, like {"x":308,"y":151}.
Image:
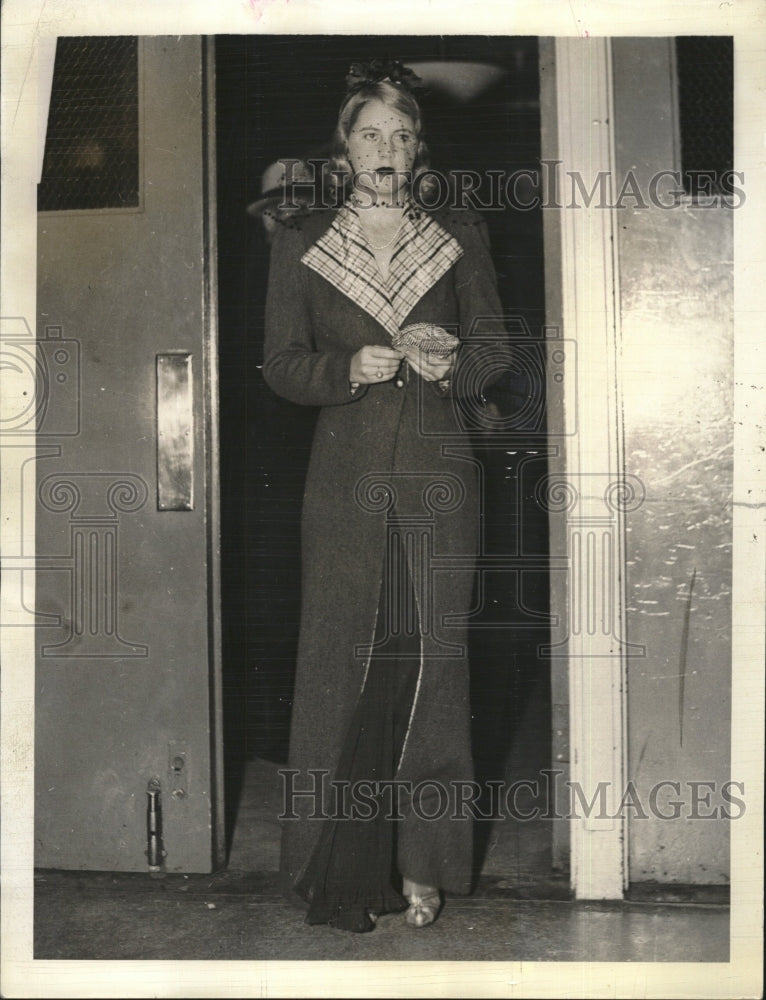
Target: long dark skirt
{"x":352,"y":872}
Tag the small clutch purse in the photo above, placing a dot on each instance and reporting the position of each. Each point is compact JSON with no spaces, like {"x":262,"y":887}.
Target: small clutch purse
{"x":429,"y":338}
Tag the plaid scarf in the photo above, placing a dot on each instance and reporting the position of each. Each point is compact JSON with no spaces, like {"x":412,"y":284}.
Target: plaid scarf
{"x":423,"y":253}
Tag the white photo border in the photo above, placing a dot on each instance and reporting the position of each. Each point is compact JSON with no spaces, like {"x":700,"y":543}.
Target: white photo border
{"x":24,"y":24}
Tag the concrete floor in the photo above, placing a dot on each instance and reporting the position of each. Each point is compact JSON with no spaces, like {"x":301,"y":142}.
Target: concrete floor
{"x":492,"y":944}
{"x":238,"y":915}
{"x":520,"y":911}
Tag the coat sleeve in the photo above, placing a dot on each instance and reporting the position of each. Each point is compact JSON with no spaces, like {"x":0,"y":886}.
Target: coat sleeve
{"x":293,"y":367}
{"x":484,"y":356}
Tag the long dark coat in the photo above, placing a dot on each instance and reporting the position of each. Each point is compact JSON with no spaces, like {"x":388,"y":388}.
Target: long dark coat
{"x":388,"y":453}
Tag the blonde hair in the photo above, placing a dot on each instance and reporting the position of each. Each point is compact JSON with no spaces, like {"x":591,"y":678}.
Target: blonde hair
{"x":394,"y":97}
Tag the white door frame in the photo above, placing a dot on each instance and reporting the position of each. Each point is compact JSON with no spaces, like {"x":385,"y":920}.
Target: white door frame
{"x":587,"y":489}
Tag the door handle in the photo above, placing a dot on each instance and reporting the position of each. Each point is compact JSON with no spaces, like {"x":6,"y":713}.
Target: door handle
{"x":175,"y":432}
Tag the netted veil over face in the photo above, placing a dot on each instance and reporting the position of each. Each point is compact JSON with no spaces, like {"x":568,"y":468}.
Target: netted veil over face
{"x":396,"y":86}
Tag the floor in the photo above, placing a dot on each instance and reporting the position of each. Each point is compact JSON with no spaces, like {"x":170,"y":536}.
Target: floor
{"x":520,"y":911}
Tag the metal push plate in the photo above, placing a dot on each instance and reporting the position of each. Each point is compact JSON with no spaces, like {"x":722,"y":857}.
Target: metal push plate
{"x":175,"y":432}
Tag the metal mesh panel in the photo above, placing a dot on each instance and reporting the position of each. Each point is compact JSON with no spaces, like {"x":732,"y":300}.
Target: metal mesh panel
{"x":705,"y":68}
{"x":91,"y":148}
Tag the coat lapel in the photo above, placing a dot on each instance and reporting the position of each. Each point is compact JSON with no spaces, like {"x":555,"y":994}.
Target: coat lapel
{"x":423,"y":253}
{"x":343,"y":258}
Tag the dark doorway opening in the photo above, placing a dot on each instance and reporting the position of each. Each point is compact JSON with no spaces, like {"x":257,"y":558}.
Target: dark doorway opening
{"x":277,"y":97}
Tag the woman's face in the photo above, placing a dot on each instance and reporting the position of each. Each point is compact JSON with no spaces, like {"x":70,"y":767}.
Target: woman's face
{"x":381,"y":148}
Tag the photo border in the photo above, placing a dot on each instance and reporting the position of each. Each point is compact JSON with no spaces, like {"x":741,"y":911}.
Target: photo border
{"x":24,"y":24}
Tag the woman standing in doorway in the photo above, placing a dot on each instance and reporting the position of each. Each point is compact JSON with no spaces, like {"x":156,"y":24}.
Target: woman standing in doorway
{"x":386,"y":315}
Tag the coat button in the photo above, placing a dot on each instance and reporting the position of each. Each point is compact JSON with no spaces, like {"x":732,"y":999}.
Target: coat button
{"x":400,"y":383}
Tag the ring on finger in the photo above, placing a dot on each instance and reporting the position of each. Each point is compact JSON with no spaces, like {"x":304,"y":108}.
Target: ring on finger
{"x":379,"y":373}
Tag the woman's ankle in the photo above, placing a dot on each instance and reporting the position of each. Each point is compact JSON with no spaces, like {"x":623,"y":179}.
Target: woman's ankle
{"x":412,"y":888}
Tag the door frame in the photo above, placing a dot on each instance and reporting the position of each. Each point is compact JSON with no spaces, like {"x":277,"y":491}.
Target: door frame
{"x":587,"y":470}
{"x":212,"y":450}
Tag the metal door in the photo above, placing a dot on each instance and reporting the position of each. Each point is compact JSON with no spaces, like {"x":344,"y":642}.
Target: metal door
{"x":127,"y":665}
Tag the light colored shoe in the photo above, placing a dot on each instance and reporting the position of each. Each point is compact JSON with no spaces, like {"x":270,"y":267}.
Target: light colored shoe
{"x":425,"y":903}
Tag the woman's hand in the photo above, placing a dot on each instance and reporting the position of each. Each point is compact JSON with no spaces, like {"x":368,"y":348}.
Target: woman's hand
{"x":431,"y":368}
{"x":374,"y":363}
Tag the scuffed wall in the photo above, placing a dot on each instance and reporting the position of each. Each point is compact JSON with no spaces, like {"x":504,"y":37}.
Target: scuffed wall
{"x":675,"y":306}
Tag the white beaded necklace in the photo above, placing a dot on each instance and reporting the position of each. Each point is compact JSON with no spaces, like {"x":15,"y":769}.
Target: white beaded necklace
{"x":383,"y":246}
